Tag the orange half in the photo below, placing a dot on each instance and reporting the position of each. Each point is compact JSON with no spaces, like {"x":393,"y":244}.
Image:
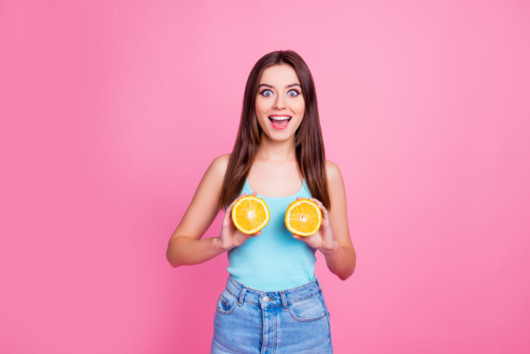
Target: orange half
{"x":250,"y":214}
{"x":303,"y":217}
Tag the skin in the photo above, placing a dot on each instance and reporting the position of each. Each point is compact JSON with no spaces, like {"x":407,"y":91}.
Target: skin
{"x":274,"y":173}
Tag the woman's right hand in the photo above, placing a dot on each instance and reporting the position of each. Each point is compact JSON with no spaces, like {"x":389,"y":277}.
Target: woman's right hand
{"x":230,"y":236}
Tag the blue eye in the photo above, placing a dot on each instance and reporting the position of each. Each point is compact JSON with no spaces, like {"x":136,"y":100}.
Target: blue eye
{"x":293,"y":93}
{"x":266,"y":93}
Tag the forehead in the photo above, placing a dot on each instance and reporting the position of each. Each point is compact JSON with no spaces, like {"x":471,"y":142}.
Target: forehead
{"x":279,"y":75}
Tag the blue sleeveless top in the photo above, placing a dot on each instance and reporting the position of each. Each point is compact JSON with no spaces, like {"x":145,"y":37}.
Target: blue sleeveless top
{"x":274,"y":260}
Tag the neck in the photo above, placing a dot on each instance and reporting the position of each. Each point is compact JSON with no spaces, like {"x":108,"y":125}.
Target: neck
{"x":275,"y":150}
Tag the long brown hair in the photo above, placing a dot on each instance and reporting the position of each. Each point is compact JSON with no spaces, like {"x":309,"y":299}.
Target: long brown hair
{"x":308,"y":138}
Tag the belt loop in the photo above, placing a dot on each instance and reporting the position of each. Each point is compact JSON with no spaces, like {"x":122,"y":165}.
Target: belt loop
{"x":318,"y":284}
{"x":284,"y":300}
{"x":242,"y":296}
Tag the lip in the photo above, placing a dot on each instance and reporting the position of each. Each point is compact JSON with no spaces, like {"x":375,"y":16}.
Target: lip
{"x":279,"y":124}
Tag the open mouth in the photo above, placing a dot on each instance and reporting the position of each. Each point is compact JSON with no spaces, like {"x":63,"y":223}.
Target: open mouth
{"x":279,"y":122}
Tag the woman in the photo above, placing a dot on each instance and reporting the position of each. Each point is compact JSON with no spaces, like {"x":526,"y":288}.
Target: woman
{"x":272,"y":301}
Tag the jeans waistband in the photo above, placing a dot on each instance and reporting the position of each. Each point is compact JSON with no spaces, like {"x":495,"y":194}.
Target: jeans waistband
{"x":272,"y":298}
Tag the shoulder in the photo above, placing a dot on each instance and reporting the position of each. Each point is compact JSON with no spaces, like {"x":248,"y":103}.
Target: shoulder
{"x":219,"y":165}
{"x":220,"y":162}
{"x":215,"y":173}
{"x":333,"y":172}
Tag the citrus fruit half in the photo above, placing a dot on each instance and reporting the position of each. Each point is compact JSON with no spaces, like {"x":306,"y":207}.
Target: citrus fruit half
{"x":250,"y":214}
{"x":303,"y":217}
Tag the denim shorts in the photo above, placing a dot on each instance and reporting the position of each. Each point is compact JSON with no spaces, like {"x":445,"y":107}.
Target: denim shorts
{"x":253,"y":321}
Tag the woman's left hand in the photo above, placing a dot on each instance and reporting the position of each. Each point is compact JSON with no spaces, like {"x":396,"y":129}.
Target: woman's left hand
{"x":323,"y":239}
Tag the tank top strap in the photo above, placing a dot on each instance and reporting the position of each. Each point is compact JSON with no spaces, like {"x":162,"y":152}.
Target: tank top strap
{"x":246,"y":187}
{"x":305,"y":187}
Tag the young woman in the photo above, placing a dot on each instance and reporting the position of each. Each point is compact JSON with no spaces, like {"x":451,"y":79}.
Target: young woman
{"x":272,"y":301}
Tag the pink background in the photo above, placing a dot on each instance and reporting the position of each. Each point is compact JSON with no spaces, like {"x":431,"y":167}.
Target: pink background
{"x":112,"y":110}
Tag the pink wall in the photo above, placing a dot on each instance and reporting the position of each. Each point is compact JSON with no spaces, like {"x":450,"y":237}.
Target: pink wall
{"x":112,"y":110}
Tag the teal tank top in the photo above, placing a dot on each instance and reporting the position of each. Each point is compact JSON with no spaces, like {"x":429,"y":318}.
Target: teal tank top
{"x":274,"y":260}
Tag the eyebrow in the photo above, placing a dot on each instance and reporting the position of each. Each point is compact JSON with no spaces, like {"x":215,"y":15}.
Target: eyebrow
{"x":288,"y":86}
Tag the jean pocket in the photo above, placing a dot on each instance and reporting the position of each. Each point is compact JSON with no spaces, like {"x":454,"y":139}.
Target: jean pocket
{"x":307,"y":310}
{"x":226,"y":303}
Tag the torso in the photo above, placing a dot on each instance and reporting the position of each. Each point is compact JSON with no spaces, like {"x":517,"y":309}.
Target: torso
{"x":274,"y":260}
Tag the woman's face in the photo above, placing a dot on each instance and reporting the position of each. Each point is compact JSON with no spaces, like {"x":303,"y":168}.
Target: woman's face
{"x":280,"y":104}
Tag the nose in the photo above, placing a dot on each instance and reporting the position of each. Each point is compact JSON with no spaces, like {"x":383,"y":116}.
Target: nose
{"x":279,"y":102}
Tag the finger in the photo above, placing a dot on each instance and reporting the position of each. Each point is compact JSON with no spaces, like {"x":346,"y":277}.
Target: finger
{"x":229,"y":209}
{"x":319,"y":203}
{"x":325,"y":216}
{"x":227,"y":220}
{"x":241,"y":196}
{"x":308,"y":240}
{"x":257,"y":233}
{"x":322,"y":209}
{"x":228,"y":216}
{"x":301,"y":238}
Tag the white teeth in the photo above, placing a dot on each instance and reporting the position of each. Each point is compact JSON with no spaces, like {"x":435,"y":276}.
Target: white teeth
{"x":280,"y":117}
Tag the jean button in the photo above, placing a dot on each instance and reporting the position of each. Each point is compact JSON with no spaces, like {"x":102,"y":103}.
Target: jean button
{"x":265,"y":299}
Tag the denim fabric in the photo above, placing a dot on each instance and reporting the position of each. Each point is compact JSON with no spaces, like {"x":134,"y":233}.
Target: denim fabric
{"x":290,"y":321}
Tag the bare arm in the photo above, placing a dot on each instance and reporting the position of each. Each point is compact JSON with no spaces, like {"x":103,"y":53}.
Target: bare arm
{"x":333,"y":238}
{"x":185,"y":245}
{"x":340,"y":257}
